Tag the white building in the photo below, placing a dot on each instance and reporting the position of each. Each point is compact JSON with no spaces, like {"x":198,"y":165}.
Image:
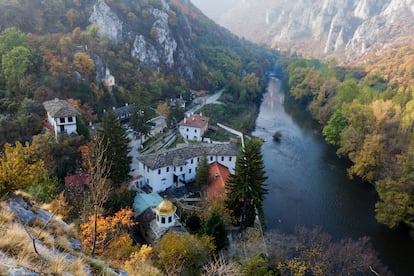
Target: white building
{"x":62,"y":116}
{"x":108,"y":80}
{"x":164,"y":169}
{"x":193,"y":127}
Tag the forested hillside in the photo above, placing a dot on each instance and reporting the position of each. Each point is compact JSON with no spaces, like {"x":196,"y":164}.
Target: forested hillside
{"x":156,"y":50}
{"x":368,"y":114}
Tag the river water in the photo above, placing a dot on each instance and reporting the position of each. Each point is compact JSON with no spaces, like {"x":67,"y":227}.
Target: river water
{"x":308,"y":184}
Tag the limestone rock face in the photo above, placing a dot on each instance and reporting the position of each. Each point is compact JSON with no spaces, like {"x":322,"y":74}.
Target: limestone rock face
{"x":107,"y":20}
{"x":347,"y":28}
{"x":159,"y":46}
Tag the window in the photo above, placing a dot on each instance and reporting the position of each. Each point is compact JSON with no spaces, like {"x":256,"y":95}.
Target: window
{"x":162,"y":220}
{"x":222,"y":158}
{"x":230,"y":158}
{"x":62,"y":120}
{"x":181,"y":169}
{"x":195,"y":130}
{"x":168,"y":169}
{"x":169,"y":219}
{"x":187,"y":129}
{"x":70,"y":119}
{"x":198,"y":159}
{"x":159,"y":171}
{"x":189,"y":171}
{"x":192,"y":161}
{"x":211,"y":158}
{"x":158,"y":218}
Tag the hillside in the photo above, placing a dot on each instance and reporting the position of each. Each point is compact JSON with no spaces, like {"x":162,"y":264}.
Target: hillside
{"x":156,"y":50}
{"x":343,"y":29}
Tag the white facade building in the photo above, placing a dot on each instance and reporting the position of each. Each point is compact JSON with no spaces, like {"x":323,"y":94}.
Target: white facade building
{"x":61,"y":115}
{"x":193,"y":127}
{"x":164,"y":169}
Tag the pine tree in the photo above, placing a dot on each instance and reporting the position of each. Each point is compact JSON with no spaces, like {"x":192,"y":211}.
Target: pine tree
{"x":203,"y":172}
{"x":215,"y":228}
{"x":246,"y":189}
{"x":115,"y":139}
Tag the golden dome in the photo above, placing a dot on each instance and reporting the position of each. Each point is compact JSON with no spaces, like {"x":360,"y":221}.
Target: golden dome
{"x":166,"y":208}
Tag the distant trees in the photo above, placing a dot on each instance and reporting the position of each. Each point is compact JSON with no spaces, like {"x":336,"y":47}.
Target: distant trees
{"x":368,"y":116}
{"x":246,"y":188}
{"x":116,"y":141}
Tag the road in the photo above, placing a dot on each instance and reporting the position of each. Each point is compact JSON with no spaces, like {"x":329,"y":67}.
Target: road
{"x":206,"y":100}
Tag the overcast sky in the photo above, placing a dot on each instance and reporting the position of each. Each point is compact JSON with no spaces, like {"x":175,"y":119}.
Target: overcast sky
{"x":214,"y":8}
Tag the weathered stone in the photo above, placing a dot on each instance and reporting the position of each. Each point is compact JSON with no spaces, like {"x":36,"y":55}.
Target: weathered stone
{"x":21,"y":209}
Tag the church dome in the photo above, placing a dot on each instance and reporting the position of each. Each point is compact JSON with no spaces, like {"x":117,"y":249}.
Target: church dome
{"x":166,"y":208}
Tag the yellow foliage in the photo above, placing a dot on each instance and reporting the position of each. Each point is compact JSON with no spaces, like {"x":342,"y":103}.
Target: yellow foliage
{"x":108,"y":229}
{"x":139,"y":263}
{"x":20,"y":168}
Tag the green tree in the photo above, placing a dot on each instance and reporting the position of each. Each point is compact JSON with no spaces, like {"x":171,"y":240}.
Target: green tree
{"x":203,"y":172}
{"x":116,"y":142}
{"x":215,"y":228}
{"x":139,"y":120}
{"x":11,"y":38}
{"x":337,"y":123}
{"x":15,"y":64}
{"x":246,"y":188}
{"x":20,"y":168}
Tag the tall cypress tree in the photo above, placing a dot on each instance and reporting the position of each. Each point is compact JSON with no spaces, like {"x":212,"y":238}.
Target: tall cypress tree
{"x":246,"y":189}
{"x":203,"y":172}
{"x":116,"y":140}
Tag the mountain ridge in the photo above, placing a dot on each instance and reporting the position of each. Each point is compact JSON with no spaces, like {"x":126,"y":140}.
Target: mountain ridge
{"x":343,"y":29}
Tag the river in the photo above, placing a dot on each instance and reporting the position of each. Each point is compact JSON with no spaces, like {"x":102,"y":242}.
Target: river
{"x":308,"y":184}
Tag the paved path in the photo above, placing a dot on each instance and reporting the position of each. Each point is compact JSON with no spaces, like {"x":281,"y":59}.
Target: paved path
{"x":206,"y":100}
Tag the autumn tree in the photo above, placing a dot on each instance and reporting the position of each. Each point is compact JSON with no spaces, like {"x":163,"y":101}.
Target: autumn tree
{"x":101,"y":233}
{"x":140,"y":263}
{"x":116,"y":142}
{"x":182,"y":251}
{"x":84,"y":63}
{"x":98,"y":167}
{"x":19,"y":168}
{"x":246,"y":188}
{"x":163,"y":109}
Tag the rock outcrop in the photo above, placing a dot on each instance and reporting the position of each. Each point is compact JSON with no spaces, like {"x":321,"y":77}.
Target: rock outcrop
{"x":159,"y":46}
{"x":346,"y":28}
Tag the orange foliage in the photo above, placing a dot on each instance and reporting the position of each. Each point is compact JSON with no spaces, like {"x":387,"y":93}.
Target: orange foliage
{"x":109,"y":229}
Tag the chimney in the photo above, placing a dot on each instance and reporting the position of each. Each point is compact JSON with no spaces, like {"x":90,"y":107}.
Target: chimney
{"x":185,"y":120}
{"x":113,"y":108}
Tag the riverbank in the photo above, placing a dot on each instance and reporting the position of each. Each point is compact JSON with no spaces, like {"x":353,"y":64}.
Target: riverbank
{"x":308,"y":184}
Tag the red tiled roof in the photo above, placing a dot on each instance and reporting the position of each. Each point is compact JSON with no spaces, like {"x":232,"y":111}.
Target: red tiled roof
{"x":77,"y":179}
{"x":218,"y":178}
{"x":195,"y":120}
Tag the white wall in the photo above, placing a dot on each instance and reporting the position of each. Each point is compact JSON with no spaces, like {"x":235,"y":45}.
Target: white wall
{"x":190,"y":133}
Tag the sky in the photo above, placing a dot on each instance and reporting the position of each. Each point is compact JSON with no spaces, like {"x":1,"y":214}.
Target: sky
{"x":214,"y":8}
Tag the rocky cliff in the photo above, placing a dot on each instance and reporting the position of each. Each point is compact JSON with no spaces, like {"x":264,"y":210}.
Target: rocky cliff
{"x":344,"y":28}
{"x":157,"y":44}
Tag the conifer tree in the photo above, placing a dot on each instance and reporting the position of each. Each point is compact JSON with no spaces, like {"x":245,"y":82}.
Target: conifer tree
{"x":203,"y":172}
{"x":115,"y":139}
{"x":246,"y":189}
{"x":215,"y":228}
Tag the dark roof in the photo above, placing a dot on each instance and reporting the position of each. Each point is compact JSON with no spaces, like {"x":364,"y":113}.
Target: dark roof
{"x":178,"y":156}
{"x":60,"y":108}
{"x":123,"y":111}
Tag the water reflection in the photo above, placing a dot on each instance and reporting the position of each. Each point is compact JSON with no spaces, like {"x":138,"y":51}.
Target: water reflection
{"x":308,"y":184}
